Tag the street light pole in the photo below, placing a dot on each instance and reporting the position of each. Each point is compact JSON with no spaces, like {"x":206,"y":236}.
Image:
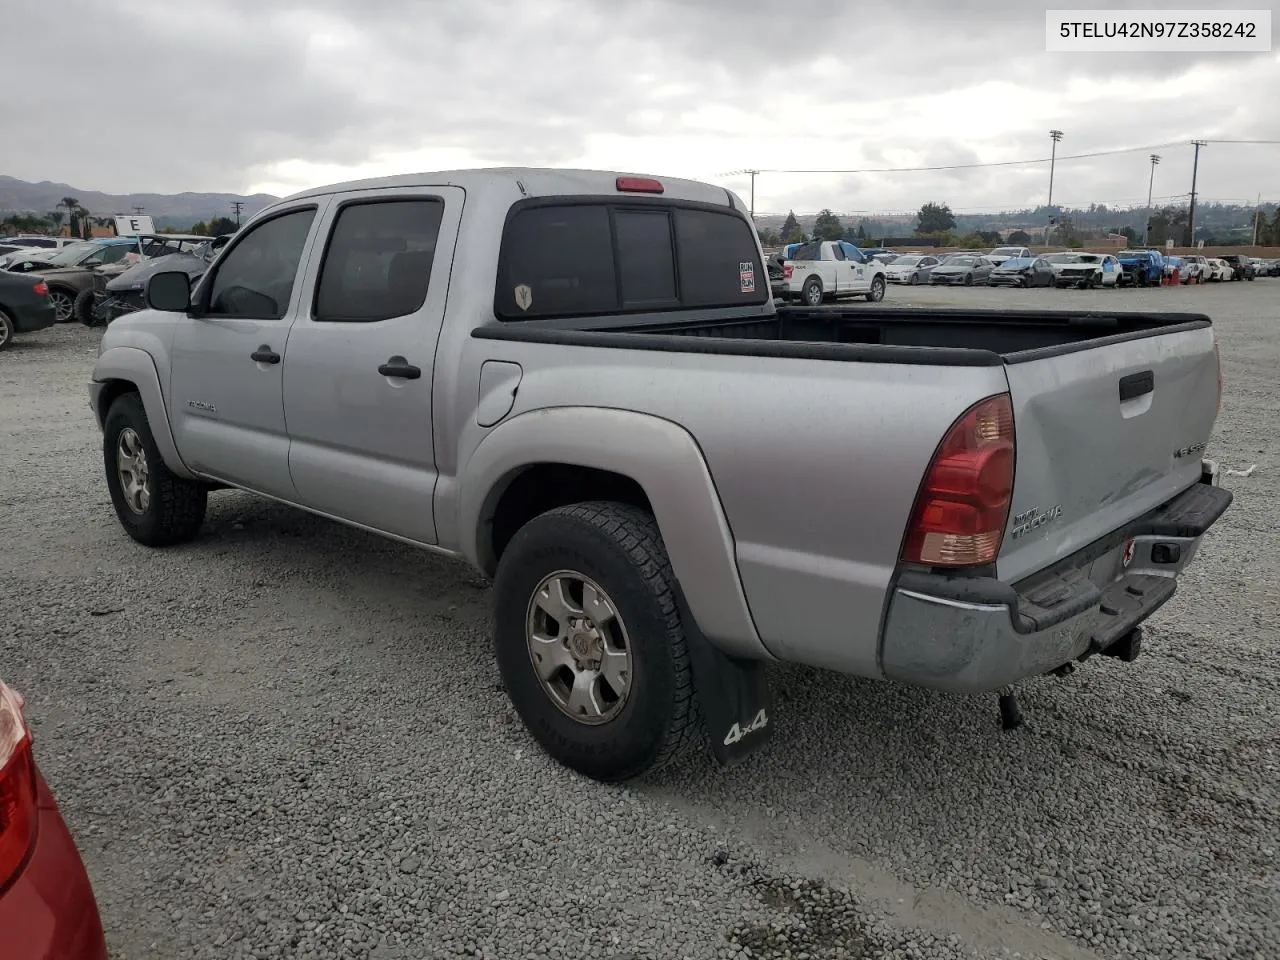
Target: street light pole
{"x":1146,"y":233}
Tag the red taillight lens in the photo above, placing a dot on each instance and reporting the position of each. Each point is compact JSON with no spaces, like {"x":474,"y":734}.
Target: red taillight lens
{"x":17,"y":788}
{"x":638,"y":185}
{"x":1217,"y":358}
{"x":963,"y":504}
{"x":41,"y":289}
{"x":787,"y":270}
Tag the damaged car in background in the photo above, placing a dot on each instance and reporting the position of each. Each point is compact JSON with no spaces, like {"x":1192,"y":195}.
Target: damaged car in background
{"x":116,"y":293}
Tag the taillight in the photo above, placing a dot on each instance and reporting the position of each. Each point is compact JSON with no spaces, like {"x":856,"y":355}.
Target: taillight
{"x":638,"y":185}
{"x":1217,"y":358}
{"x":17,"y":788}
{"x":787,"y":270}
{"x":963,"y":504}
{"x":41,"y":289}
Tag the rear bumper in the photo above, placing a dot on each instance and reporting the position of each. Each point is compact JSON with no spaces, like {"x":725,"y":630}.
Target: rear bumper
{"x":28,"y":318}
{"x":974,"y":635}
{"x":50,"y":910}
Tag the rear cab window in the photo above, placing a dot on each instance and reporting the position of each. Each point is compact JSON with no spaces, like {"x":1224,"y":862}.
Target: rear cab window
{"x":598,"y":257}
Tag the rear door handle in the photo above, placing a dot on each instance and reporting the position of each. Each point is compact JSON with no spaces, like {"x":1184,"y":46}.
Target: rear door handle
{"x":264,"y":354}
{"x":401,"y":368}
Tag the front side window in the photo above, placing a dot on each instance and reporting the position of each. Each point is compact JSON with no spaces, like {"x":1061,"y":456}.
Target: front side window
{"x":604,"y":258}
{"x":378,"y":261}
{"x":256,"y":277}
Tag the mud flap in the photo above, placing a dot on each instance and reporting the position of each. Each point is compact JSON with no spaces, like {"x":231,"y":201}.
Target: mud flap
{"x":733,"y":695}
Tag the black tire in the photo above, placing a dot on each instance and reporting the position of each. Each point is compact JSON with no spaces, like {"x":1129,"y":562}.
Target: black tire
{"x":915,"y":279}
{"x":64,"y":304}
{"x":175,"y":510}
{"x":968,"y":279}
{"x":83,"y":308}
{"x":619,"y":547}
{"x":7,"y":330}
{"x":811,"y":295}
{"x":876,"y":293}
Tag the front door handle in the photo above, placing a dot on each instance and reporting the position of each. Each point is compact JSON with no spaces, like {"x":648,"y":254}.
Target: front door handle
{"x":400,"y":367}
{"x":264,"y":354}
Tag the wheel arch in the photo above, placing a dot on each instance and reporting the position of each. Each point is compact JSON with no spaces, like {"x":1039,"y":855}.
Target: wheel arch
{"x":547,"y":458}
{"x":122,"y":370}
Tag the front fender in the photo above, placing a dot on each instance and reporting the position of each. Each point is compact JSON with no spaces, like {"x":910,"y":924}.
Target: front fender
{"x":131,"y":365}
{"x":664,"y":459}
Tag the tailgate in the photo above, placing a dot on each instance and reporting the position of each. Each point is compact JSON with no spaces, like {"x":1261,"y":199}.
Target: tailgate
{"x":1103,"y":436}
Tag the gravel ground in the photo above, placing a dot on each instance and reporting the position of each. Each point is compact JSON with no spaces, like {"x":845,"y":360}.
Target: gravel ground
{"x":288,"y":740}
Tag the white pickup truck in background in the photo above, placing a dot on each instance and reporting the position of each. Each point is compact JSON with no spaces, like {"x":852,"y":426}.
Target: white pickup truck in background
{"x":826,"y":269}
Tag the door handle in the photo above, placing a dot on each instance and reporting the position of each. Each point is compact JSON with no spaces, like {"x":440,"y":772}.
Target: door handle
{"x":264,"y":354}
{"x":400,"y":367}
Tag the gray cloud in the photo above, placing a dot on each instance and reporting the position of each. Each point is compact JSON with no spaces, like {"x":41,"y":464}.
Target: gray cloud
{"x":144,"y":95}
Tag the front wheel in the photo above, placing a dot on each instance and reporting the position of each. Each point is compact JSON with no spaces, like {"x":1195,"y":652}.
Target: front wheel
{"x":64,"y":305}
{"x":7,"y":329}
{"x":876,"y":293}
{"x":915,"y":279}
{"x":156,"y":507}
{"x":968,"y":279}
{"x":589,"y":641}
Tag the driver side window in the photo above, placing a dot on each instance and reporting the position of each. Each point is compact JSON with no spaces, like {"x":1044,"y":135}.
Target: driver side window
{"x":256,"y":278}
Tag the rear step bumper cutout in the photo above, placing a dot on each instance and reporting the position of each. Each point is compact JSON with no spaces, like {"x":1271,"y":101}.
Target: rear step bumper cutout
{"x":977,"y":634}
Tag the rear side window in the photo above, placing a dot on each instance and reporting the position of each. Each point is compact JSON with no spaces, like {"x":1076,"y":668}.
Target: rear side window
{"x":602,"y":258}
{"x":377,"y":264}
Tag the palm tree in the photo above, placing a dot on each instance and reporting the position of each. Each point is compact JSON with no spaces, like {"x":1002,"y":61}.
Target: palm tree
{"x":72,"y":205}
{"x":86,"y":222}
{"x":55,"y":217}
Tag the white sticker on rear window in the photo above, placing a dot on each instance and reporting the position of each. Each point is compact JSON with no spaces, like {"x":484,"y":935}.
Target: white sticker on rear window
{"x":524,"y":296}
{"x":747,"y":276}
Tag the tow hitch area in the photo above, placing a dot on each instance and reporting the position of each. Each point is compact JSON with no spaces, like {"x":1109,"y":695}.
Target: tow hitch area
{"x":1127,"y":648}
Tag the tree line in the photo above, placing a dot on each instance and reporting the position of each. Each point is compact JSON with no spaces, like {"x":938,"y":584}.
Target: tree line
{"x":81,"y":221}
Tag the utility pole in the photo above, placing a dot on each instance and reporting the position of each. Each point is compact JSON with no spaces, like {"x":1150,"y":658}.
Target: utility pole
{"x":1055,"y":136}
{"x":1257,"y":214}
{"x":237,"y":204}
{"x":753,"y":193}
{"x":1191,"y":215}
{"x":1146,"y":233}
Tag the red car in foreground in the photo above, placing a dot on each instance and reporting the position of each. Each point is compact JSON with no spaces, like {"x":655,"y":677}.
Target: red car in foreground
{"x":47,"y":909}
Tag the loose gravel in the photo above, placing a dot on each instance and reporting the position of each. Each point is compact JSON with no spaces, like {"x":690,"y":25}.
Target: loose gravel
{"x":288,"y":740}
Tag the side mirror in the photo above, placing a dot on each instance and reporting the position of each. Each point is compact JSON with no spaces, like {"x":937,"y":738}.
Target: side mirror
{"x":169,"y":291}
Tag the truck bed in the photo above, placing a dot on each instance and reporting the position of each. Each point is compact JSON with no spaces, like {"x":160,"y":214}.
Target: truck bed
{"x":949,"y":337}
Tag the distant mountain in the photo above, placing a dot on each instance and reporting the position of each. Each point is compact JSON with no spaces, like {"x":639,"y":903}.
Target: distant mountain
{"x":168,"y":210}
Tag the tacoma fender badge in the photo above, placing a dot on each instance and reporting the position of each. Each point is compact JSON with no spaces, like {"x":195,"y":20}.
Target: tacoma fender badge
{"x":202,"y":405}
{"x":736,"y":733}
{"x":1033,"y":519}
{"x":1188,"y":451}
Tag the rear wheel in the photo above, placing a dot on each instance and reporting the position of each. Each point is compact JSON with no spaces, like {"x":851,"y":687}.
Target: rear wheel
{"x":812,"y":293}
{"x":7,"y":329}
{"x":876,"y":293}
{"x":589,"y":641}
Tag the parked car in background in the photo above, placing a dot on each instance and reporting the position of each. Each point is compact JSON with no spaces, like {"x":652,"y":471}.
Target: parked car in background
{"x":80,"y":253}
{"x":14,"y":247}
{"x":827,"y":269}
{"x":1000,"y":254}
{"x":1267,"y":267}
{"x":911,"y":268}
{"x":47,"y":907}
{"x":1022,"y":272}
{"x":1081,"y":269}
{"x":1141,"y":268}
{"x":118,"y":289}
{"x":1241,"y":266}
{"x":24,"y":306}
{"x":1220,"y":270}
{"x":962,"y":268}
{"x":1195,"y":269}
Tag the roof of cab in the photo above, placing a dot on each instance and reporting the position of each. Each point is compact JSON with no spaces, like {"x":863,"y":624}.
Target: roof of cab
{"x":533,"y":182}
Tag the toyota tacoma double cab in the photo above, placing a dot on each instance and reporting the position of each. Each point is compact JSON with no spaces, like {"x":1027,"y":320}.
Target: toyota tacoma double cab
{"x":578,"y":382}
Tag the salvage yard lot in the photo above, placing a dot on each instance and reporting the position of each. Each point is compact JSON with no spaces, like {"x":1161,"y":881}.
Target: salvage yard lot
{"x":288,"y":739}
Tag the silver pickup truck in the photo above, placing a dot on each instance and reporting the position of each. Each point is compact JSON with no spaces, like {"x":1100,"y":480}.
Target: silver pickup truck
{"x":578,"y":382}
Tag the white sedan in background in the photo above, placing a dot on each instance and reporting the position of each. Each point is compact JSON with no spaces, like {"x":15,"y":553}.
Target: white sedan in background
{"x":1221,"y":270}
{"x":1084,"y":269}
{"x":911,"y":268}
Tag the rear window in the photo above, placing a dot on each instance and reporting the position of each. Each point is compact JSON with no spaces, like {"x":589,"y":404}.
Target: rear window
{"x":602,"y":258}
{"x":808,"y":251}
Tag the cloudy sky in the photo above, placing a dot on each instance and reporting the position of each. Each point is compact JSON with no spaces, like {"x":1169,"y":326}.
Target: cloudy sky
{"x":277,"y":95}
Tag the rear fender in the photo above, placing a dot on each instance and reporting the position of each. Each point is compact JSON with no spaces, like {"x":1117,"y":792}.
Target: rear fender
{"x":131,"y":367}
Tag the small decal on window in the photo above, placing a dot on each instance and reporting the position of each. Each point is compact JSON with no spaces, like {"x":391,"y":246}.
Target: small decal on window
{"x":524,"y":296}
{"x":747,"y":276}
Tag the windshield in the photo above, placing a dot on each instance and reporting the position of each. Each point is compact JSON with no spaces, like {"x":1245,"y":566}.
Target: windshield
{"x":905,"y":261}
{"x":72,"y":253}
{"x":960,"y":261}
{"x":1063,"y":258}
{"x":1016,"y":263}
{"x":1006,"y":252}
